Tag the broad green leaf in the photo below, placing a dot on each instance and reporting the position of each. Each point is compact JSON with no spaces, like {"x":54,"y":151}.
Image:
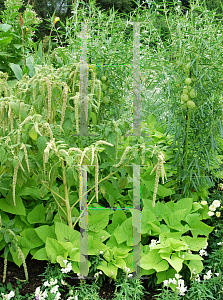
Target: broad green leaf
{"x":33,"y":134}
{"x":165,"y":275}
{"x":120,"y":263}
{"x":66,"y":234}
{"x":40,"y":254}
{"x":94,"y":118}
{"x":5,"y":40}
{"x":30,"y":65}
{"x":174,"y":260}
{"x":70,"y":177}
{"x":185,"y":203}
{"x":108,"y":268}
{"x":46,"y":231}
{"x":16,"y":69}
{"x":194,"y":244}
{"x":124,"y":231}
{"x":97,"y":222}
{"x":102,"y":235}
{"x":30,"y":239}
{"x":146,"y":215}
{"x":54,"y":249}
{"x":3,"y":156}
{"x":41,"y":143}
{"x":174,"y":220}
{"x":153,"y":260}
{"x":95,"y":246}
{"x":68,"y":246}
{"x":15,"y":107}
{"x":197,"y":226}
{"x":163,"y":191}
{"x":76,"y":256}
{"x":196,"y":265}
{"x":164,"y":236}
{"x":15,"y":255}
{"x":7,"y":205}
{"x":189,"y":256}
{"x":27,"y":191}
{"x":53,"y":175}
{"x":177,"y":245}
{"x":5,"y":27}
{"x":37,"y":215}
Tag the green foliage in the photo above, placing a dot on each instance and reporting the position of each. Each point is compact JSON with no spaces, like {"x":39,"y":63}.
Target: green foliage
{"x":16,"y":32}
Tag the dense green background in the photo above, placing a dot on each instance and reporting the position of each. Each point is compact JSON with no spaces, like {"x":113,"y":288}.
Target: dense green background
{"x":63,"y":8}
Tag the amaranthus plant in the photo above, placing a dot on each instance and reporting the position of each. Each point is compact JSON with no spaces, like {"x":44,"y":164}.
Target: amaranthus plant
{"x":9,"y":235}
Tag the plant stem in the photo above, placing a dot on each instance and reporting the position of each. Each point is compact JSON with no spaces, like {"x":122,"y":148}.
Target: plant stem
{"x":66,"y":195}
{"x":186,"y":142}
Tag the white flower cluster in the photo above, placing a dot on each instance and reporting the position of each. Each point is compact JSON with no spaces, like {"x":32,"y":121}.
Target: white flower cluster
{"x":153,"y":243}
{"x":97,"y":274}
{"x":68,"y":267}
{"x":212,"y":208}
{"x":208,"y":275}
{"x":54,"y":286}
{"x":177,"y":281}
{"x":9,"y":296}
{"x":43,"y":295}
{"x":127,"y":270}
{"x":203,"y":251}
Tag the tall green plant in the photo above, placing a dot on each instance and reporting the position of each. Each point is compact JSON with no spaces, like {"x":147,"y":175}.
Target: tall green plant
{"x":189,"y":103}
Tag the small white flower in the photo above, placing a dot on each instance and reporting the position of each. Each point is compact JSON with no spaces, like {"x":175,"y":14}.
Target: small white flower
{"x":178,"y":276}
{"x":220,"y":243}
{"x":183,"y":256}
{"x":210,"y":213}
{"x":165,"y":282}
{"x":127,"y":270}
{"x":130,"y":275}
{"x":218,"y":214}
{"x":57,"y":297}
{"x":9,"y":296}
{"x":216,"y":203}
{"x":204,"y":202}
{"x":101,"y":252}
{"x":212,"y":207}
{"x":65,"y":261}
{"x":67,"y":269}
{"x":217,"y":274}
{"x":112,"y":273}
{"x":53,"y":282}
{"x":208,"y":275}
{"x":46,"y":283}
{"x":63,"y":282}
{"x":197,"y":278}
{"x":54,"y":289}
{"x":45,"y":294}
{"x":203,"y":252}
{"x":206,"y":246}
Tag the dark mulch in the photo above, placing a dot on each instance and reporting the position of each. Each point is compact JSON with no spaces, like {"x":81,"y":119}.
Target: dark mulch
{"x":37,"y":267}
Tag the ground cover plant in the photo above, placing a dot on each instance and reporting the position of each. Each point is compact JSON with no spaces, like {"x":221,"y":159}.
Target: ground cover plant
{"x":71,"y":175}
